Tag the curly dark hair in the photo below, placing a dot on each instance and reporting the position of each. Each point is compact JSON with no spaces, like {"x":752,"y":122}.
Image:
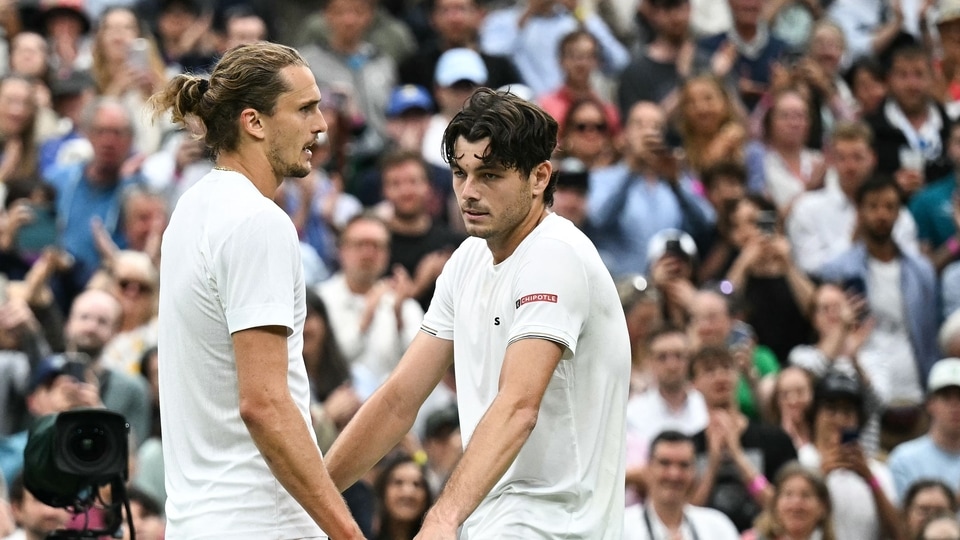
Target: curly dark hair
{"x":521,"y":134}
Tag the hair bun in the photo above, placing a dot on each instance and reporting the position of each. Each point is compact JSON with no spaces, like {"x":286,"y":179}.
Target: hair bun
{"x":204,"y":84}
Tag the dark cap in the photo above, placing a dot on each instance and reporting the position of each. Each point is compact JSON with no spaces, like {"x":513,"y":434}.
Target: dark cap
{"x":73,"y":84}
{"x":573,"y":174}
{"x":838,"y":386}
{"x":73,"y":8}
{"x":46,"y":371}
{"x":442,"y":422}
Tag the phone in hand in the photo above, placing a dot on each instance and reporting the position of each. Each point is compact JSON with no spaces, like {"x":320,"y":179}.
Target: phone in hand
{"x":849,"y":436}
{"x":767,"y":222}
{"x":138,"y":54}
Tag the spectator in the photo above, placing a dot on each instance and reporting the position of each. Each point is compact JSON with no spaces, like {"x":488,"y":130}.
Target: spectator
{"x":935,"y":210}
{"x":823,"y":223}
{"x":658,"y":71}
{"x":800,"y":508}
{"x":923,"y":500}
{"x":384,"y":32}
{"x":147,"y":513}
{"x":373,"y":318}
{"x":667,"y":513}
{"x":523,"y":32}
{"x":457,"y":24}
{"x":145,"y":214}
{"x":579,"y":60}
{"x":871,"y":27}
{"x":774,"y":291}
{"x":36,"y":520}
{"x":730,"y":481}
{"x":417,"y":243}
{"x":867,"y":82}
{"x":130,"y":77}
{"x":840,"y":332}
{"x":93,"y":188}
{"x":712,"y":325}
{"x":792,"y":397}
{"x":947,"y":67}
{"x":69,"y":98}
{"x":937,"y":453}
{"x":911,"y":130}
{"x":185,"y":40}
{"x":570,"y":198}
{"x":176,"y":166}
{"x":18,"y":119}
{"x":588,"y":136}
{"x":709,"y":124}
{"x":93,"y":321}
{"x":135,"y":281}
{"x":641,"y":306}
{"x":443,"y":445}
{"x":66,"y":24}
{"x":899,"y":288}
{"x":745,"y":54}
{"x":724,"y":184}
{"x":459,"y":72}
{"x":401,"y":489}
{"x":673,"y":261}
{"x":622,"y":198}
{"x":789,"y":167}
{"x":351,"y":65}
{"x":837,"y":416}
{"x":948,"y":338}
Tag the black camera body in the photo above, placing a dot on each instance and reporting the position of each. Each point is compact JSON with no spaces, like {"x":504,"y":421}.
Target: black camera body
{"x":70,"y":454}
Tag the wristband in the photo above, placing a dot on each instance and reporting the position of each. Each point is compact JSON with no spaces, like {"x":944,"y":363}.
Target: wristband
{"x":757,"y":485}
{"x":874,"y":483}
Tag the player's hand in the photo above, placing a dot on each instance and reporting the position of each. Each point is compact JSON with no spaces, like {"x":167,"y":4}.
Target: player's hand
{"x":433,"y":529}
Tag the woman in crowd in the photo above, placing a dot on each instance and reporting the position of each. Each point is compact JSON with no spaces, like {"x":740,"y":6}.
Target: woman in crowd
{"x":868,"y":85}
{"x":640,"y":301}
{"x":943,"y":526}
{"x":771,"y":285}
{"x":587,"y":135}
{"x":127,"y":65}
{"x":799,"y":510}
{"x":403,"y":497}
{"x":792,"y":396}
{"x":335,"y":401}
{"x":709,"y":123}
{"x":136,"y":282}
{"x":19,"y":158}
{"x":924,"y":500}
{"x":789,"y":167}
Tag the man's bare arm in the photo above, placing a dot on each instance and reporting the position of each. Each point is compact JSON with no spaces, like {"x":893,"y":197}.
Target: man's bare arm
{"x":280,"y":432}
{"x":527,"y":368}
{"x":389,"y":413}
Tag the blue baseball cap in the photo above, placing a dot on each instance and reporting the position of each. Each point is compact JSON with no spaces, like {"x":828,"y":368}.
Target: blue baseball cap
{"x":407,"y":97}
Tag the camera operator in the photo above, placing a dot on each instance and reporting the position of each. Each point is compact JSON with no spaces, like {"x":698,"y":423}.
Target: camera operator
{"x":774,"y":290}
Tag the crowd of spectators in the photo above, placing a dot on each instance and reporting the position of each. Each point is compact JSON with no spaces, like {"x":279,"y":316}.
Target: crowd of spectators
{"x":771,"y":183}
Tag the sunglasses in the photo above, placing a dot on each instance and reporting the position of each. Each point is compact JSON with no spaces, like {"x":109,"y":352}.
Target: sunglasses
{"x":583,"y":127}
{"x":138,"y":287}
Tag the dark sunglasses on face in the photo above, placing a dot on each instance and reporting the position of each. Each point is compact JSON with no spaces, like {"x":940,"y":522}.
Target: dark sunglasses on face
{"x":138,"y":287}
{"x":599,"y":127}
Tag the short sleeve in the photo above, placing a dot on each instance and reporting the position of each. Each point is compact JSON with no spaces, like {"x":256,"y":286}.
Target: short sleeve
{"x":551,"y":294}
{"x":256,"y":272}
{"x":438,"y":320}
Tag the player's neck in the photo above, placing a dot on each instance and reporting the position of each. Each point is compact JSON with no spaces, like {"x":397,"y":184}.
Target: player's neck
{"x":254,"y":167}
{"x":670,"y":514}
{"x":504,"y":246}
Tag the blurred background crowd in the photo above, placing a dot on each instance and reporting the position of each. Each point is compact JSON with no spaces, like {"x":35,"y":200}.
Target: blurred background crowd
{"x":771,"y":183}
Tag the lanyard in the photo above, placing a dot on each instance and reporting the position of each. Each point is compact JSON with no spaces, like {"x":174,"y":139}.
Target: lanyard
{"x":646,"y":519}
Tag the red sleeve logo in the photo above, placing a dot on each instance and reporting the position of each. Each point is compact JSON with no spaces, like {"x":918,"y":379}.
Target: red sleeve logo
{"x":539,"y":297}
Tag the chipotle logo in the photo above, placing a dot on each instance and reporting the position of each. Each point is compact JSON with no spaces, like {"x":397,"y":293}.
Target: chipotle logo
{"x":539,"y":297}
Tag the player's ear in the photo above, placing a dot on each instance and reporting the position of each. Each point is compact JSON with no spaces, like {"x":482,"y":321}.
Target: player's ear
{"x":251,"y":123}
{"x":541,"y":177}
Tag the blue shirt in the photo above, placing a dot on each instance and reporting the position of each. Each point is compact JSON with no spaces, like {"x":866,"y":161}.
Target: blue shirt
{"x":11,"y":455}
{"x":921,"y":458}
{"x":932,"y":209}
{"x":78,"y":202}
{"x":624,"y":211}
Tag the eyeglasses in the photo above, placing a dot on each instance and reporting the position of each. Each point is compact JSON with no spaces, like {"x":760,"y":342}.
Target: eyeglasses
{"x":364,"y":243}
{"x":583,"y":127}
{"x":137,"y":287}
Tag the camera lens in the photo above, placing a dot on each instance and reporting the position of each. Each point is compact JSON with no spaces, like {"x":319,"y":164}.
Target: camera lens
{"x":88,"y":443}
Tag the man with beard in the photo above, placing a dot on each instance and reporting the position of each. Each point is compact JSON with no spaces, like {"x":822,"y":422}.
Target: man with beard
{"x":900,"y":290}
{"x":417,"y":242}
{"x":93,"y":321}
{"x":667,"y":512}
{"x":239,"y":450}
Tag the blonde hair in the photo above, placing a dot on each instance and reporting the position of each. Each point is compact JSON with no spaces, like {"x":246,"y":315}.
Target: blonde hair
{"x":685,"y":124}
{"x":768,"y":523}
{"x":103,"y":70}
{"x":246,"y":77}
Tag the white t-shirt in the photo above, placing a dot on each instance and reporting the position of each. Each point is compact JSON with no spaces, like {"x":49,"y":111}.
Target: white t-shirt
{"x":648,"y":414}
{"x":567,"y":481}
{"x":887,"y":356}
{"x":698,"y":524}
{"x":231,"y":261}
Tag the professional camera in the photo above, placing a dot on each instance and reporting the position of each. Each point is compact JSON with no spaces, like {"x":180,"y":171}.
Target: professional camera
{"x":70,"y":457}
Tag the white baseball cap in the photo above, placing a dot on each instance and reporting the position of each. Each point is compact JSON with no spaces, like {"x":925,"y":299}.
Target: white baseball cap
{"x":944,"y":373}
